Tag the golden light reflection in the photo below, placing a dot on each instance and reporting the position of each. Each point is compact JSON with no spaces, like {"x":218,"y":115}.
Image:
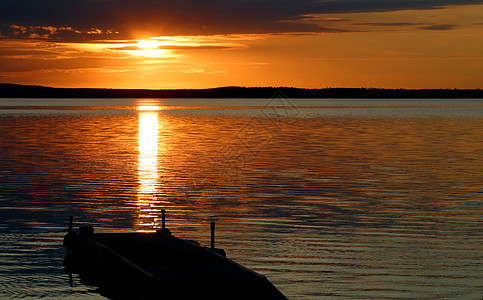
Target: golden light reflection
{"x":148,"y":165}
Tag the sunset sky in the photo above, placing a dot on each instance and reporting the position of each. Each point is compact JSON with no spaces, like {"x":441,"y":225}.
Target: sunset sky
{"x":202,"y":44}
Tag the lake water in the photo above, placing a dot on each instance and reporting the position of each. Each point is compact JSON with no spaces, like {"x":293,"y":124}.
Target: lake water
{"x":355,"y":199}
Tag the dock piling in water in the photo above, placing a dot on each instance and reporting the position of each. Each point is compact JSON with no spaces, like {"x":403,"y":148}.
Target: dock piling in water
{"x":212,"y":227}
{"x":68,"y":246}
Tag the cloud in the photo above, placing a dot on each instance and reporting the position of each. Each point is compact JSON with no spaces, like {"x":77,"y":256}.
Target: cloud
{"x":177,"y":47}
{"x":87,"y":20}
{"x":406,"y":24}
{"x":389,"y":24}
{"x":438,"y":27}
{"x":55,"y":33}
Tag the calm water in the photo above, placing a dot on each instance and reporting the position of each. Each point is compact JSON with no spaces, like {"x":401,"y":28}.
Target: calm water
{"x":355,"y":199}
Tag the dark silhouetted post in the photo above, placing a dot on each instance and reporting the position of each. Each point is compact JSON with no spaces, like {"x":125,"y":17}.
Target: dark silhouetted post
{"x":163,"y":223}
{"x":68,"y":247}
{"x":212,"y":226}
{"x":71,"y":219}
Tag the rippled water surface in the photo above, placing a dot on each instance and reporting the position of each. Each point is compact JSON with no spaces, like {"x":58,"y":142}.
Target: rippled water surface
{"x":357,"y":199}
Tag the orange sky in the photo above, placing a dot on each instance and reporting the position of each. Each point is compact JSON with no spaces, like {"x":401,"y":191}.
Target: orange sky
{"x":408,"y":48}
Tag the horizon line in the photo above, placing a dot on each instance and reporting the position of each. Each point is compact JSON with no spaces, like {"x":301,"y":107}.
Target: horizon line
{"x":236,"y":86}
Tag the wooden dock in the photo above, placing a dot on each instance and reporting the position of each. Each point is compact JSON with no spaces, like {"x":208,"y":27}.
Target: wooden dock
{"x":160,"y":265}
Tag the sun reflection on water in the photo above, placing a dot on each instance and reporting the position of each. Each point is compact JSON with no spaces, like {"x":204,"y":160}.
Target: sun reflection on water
{"x":148,"y":164}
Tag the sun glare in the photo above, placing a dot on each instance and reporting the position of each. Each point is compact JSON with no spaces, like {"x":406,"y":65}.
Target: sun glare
{"x":149,"y":108}
{"x":154,"y":47}
{"x":150,"y":48}
{"x":149,"y":45}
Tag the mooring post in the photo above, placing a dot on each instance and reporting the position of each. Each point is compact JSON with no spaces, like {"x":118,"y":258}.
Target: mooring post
{"x":68,"y":246}
{"x":212,"y":226}
{"x":163,"y":224}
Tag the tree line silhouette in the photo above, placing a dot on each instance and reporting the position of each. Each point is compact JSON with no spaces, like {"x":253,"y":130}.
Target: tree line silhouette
{"x":31,"y":91}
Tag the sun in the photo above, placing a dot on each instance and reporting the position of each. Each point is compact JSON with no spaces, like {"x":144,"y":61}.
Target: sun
{"x":148,"y":44}
{"x":149,"y":48}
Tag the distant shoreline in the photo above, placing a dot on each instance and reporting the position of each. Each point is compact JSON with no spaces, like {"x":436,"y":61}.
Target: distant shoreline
{"x":29,"y":91}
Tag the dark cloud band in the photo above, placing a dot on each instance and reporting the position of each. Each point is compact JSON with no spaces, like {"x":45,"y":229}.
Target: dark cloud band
{"x":123,"y":19}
